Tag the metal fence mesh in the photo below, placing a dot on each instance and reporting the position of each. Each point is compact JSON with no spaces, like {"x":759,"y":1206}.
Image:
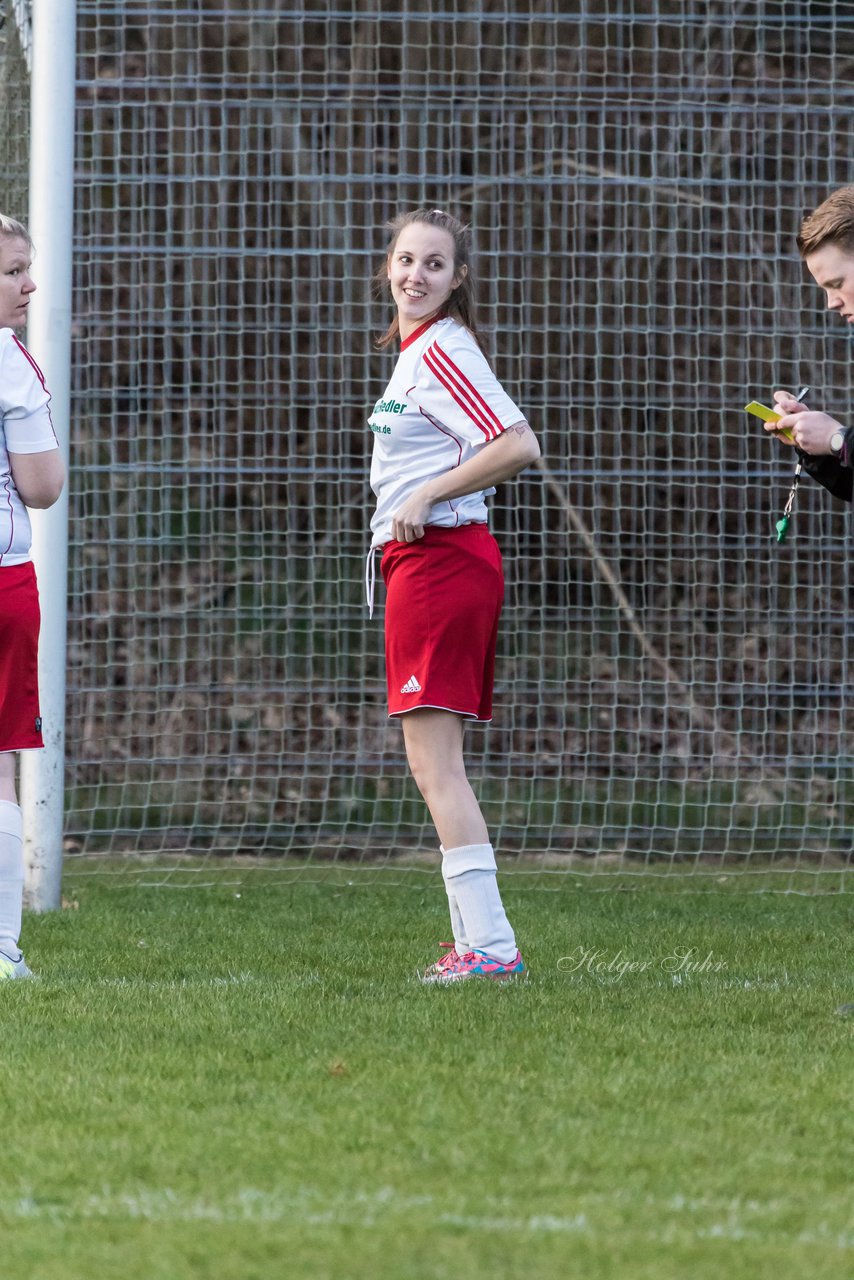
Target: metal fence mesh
{"x":634,"y":174}
{"x":14,"y":107}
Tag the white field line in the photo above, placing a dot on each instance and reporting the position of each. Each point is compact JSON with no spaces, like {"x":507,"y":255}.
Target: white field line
{"x":675,"y":1218}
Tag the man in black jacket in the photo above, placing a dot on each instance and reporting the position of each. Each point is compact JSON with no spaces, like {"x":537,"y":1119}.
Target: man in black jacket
{"x":826,"y":243}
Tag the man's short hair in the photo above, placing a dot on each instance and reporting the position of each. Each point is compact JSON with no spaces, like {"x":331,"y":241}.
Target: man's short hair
{"x":832,"y":221}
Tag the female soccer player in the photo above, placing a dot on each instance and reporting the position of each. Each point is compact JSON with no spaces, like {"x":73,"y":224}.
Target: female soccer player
{"x":445,"y":433}
{"x":31,"y":475}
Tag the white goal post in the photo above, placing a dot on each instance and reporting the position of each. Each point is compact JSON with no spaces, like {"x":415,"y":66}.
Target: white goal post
{"x":52,"y":81}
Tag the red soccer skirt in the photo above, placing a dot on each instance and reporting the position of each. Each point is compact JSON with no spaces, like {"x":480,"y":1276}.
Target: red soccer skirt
{"x":20,"y":722}
{"x":443,"y":600}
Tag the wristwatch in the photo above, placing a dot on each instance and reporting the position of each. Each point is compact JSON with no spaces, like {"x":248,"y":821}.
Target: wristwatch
{"x":837,"y":443}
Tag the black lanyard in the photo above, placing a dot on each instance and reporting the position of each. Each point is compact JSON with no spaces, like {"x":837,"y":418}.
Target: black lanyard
{"x":782,"y":525}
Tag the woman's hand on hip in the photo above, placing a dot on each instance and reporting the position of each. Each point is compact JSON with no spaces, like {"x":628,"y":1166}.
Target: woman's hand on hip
{"x":407,"y":524}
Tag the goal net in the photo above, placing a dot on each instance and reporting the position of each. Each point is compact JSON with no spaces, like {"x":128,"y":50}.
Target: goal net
{"x":14,"y":107}
{"x":670,"y":680}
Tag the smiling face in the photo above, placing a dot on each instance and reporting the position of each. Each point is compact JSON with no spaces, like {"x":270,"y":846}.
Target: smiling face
{"x":421,"y":274}
{"x":16,"y":283}
{"x":832,"y":268}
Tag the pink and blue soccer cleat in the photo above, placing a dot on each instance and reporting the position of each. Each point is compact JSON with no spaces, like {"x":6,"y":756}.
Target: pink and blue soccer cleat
{"x":474,"y":964}
{"x":434,"y":972}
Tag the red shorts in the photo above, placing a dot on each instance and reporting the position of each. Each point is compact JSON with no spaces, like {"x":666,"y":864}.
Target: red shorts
{"x":444,"y":597}
{"x":20,"y":723}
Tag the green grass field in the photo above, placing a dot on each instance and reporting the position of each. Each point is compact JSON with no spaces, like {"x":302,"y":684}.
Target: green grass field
{"x":243,"y":1083}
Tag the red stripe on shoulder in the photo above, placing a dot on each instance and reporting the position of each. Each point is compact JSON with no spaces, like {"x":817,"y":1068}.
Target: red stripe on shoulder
{"x":471,"y":387}
{"x":467,"y":407}
{"x":477,"y":408}
{"x":25,"y":353}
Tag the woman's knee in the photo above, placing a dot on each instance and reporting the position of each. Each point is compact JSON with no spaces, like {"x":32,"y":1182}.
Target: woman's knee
{"x":435,"y":774}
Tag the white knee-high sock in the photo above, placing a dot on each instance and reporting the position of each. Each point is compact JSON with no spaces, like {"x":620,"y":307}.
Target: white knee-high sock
{"x":470,"y":873}
{"x":458,"y":929}
{"x":11,"y":877}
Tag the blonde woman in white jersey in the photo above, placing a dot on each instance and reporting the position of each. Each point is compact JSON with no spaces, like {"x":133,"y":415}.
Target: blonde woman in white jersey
{"x":445,"y":433}
{"x":31,"y":475}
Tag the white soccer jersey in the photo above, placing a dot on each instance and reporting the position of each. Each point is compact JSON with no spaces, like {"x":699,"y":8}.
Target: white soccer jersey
{"x":442,"y":405}
{"x":25,"y":427}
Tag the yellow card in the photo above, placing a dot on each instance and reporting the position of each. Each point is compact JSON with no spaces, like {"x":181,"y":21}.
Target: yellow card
{"x":768,"y":415}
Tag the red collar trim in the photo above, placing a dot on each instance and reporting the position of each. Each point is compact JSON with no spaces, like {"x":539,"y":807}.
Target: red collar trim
{"x":422,"y":328}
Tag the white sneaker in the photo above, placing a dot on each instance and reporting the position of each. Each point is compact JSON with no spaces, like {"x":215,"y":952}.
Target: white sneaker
{"x":10,"y":969}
